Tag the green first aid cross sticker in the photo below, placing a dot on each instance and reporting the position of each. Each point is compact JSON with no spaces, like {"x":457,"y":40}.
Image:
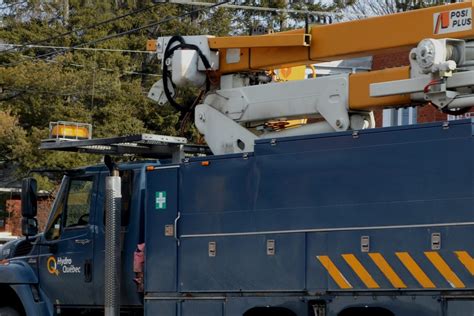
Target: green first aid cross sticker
{"x":160,"y":200}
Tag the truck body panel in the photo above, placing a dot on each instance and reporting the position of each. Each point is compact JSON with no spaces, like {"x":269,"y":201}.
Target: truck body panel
{"x":318,"y":199}
{"x":18,"y":272}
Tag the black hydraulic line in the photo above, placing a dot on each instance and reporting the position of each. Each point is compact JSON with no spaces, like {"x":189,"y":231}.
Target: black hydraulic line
{"x":168,"y":53}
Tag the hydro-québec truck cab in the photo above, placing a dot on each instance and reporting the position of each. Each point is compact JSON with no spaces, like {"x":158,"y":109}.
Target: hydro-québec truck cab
{"x":61,"y":271}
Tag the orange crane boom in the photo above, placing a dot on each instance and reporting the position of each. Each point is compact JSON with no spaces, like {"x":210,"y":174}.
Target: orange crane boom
{"x":346,"y":40}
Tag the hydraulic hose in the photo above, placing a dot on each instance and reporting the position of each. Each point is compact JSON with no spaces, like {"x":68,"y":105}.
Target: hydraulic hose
{"x":166,"y":75}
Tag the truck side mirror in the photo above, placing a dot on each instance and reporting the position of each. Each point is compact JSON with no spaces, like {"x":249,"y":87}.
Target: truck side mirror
{"x":29,"y":226}
{"x":28,"y":198}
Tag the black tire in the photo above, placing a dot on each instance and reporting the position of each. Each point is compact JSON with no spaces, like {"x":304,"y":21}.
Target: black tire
{"x":8,"y":311}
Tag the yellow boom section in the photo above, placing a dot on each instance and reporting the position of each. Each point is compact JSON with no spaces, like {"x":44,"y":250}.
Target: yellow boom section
{"x":359,"y":95}
{"x":343,"y":40}
{"x":335,"y":41}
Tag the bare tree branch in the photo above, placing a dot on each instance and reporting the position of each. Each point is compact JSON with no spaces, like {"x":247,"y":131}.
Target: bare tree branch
{"x":384,"y":7}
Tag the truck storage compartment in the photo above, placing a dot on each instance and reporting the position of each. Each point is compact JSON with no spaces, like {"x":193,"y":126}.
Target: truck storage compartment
{"x":271,"y":262}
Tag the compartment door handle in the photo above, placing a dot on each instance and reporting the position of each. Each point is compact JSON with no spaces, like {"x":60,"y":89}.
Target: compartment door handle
{"x":176,"y":228}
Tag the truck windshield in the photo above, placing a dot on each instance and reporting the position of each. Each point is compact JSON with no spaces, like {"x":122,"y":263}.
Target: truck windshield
{"x":72,"y":208}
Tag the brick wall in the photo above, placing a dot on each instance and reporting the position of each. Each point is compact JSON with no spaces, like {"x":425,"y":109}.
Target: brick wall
{"x":391,"y":60}
{"x":429,"y":113}
{"x":13,"y":207}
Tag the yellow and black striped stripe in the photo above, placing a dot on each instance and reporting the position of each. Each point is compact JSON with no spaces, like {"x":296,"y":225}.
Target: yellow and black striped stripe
{"x":415,"y":270}
{"x":444,"y":269}
{"x":407,"y":261}
{"x":387,"y":270}
{"x":334,"y":272}
{"x":466,"y":260}
{"x":361,"y":272}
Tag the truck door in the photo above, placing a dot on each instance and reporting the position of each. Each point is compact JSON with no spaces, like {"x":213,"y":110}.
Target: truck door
{"x":66,"y":257}
{"x":161,"y":221}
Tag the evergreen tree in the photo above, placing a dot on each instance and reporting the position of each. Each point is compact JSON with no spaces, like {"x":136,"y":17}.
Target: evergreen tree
{"x":283,"y":18}
{"x":107,"y":88}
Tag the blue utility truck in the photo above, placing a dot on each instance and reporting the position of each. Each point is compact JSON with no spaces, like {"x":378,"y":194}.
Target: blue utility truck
{"x":378,"y":222}
{"x":304,"y":208}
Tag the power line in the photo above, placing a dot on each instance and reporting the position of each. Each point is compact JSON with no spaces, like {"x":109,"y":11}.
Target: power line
{"x":185,"y":2}
{"x":152,"y":24}
{"x":92,"y":26}
{"x":105,"y":38}
{"x":78,"y":48}
{"x":37,"y":91}
{"x":126,"y":72}
{"x":254,"y":8}
{"x":65,"y":93}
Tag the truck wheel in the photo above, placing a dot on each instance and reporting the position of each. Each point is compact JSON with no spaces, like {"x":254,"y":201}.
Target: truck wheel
{"x":8,"y":311}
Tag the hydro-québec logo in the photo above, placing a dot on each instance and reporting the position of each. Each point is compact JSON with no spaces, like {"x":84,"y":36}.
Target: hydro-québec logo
{"x":452,"y":21}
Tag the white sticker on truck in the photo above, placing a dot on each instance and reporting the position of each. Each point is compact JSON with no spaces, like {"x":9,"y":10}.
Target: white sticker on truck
{"x":452,"y":21}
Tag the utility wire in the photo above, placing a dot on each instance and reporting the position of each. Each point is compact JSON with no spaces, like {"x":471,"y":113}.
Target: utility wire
{"x":92,"y":26}
{"x":255,"y":8}
{"x":65,"y":63}
{"x":102,"y":39}
{"x":77,"y":48}
{"x":64,"y":93}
